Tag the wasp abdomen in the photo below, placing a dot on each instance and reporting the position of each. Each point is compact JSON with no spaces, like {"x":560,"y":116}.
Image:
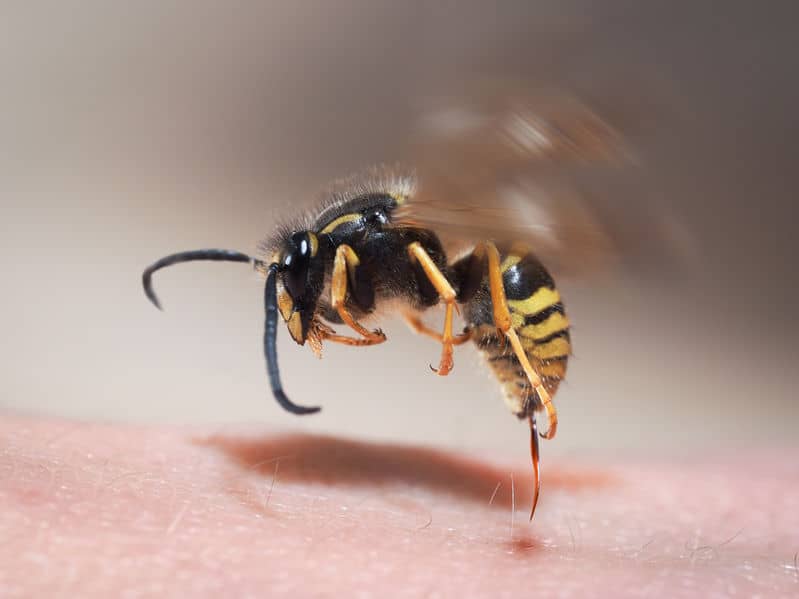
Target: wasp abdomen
{"x":539,"y":318}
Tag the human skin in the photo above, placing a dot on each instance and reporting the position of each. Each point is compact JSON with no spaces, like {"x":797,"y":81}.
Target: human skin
{"x":97,"y":510}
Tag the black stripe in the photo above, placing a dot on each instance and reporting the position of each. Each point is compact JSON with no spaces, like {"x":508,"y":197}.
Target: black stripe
{"x":544,"y":340}
{"x":541,"y":316}
{"x":511,"y":357}
{"x":563,"y":357}
{"x":493,"y":343}
{"x":525,"y":277}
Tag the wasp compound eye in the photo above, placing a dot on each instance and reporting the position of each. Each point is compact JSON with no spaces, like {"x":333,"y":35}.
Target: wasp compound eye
{"x":295,"y":265}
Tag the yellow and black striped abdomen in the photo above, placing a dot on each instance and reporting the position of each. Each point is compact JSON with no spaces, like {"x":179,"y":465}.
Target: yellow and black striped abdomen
{"x":539,"y":318}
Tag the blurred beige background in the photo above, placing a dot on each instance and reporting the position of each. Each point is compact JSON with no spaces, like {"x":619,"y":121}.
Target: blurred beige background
{"x":132,"y":130}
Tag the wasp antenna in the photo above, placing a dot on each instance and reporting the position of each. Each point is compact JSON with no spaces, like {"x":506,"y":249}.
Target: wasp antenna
{"x":191,"y":256}
{"x":534,"y":455}
{"x":270,"y":347}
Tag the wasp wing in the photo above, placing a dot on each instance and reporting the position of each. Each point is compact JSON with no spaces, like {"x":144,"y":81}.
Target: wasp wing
{"x":544,"y":168}
{"x":555,"y":220}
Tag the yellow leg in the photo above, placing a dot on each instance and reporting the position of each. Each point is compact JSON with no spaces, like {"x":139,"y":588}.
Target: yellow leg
{"x":448,"y":296}
{"x":416,"y":324}
{"x":503,"y":322}
{"x":344,"y":266}
{"x":359,"y":341}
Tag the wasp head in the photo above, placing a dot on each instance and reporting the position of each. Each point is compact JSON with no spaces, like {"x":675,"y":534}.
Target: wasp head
{"x":300,"y":280}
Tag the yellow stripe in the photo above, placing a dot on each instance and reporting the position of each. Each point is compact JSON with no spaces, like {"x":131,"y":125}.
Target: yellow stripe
{"x":347,"y":218}
{"x":314,"y":244}
{"x":556,"y":348}
{"x":554,"y":324}
{"x":399,"y":198}
{"x":540,"y":300}
{"x":556,"y":369}
{"x":284,"y":303}
{"x":509,"y":262}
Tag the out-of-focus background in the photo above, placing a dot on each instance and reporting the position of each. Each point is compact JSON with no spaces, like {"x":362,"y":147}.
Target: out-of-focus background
{"x":132,"y":130}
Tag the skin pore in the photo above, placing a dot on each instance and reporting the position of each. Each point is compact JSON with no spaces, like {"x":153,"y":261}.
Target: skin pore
{"x":95,"y":510}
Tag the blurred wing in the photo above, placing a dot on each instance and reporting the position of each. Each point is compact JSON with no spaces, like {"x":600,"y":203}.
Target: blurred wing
{"x":509,"y":165}
{"x":553,"y":220}
{"x":500,"y":128}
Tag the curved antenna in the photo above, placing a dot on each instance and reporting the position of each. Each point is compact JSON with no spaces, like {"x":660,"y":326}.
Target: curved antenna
{"x":270,"y":303}
{"x":270,"y":347}
{"x":191,"y":256}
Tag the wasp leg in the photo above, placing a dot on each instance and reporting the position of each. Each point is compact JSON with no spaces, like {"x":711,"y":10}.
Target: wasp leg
{"x":358,"y":341}
{"x":447,"y":293}
{"x":416,"y":324}
{"x":344,"y":266}
{"x":502,"y":320}
{"x":320,"y":332}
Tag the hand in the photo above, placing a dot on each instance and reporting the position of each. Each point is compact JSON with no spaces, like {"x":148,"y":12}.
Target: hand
{"x":106,"y":510}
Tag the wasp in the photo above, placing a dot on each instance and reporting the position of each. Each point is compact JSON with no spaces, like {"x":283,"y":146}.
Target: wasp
{"x":388,"y":236}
